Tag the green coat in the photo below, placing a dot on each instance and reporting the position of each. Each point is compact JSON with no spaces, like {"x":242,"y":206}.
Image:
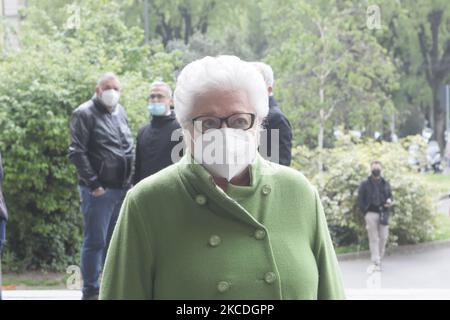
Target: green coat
{"x":181,"y":237}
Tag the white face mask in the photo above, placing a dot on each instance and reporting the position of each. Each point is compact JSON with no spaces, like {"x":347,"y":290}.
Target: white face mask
{"x":225,"y":152}
{"x":110,"y":98}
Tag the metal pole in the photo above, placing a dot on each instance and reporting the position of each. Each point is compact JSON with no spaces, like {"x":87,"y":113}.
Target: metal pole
{"x":146,"y":29}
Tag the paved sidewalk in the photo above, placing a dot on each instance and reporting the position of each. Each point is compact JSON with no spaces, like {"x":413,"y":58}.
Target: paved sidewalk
{"x":41,"y":295}
{"x":398,"y":294}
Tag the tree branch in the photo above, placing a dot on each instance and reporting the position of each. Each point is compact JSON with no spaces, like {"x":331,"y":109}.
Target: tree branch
{"x":331,"y":110}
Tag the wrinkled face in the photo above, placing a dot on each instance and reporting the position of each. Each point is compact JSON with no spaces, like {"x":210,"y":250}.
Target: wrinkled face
{"x":108,"y":85}
{"x":160,"y":94}
{"x":222,"y":104}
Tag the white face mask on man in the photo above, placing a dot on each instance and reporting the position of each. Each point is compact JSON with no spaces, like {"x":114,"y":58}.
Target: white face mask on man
{"x":110,"y":98}
{"x":225,"y":152}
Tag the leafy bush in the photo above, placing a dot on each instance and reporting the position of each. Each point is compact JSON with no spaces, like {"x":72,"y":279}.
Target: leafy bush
{"x":46,"y":80}
{"x":346,"y":166}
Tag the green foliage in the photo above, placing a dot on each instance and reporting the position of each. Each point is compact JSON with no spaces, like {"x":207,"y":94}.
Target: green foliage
{"x":346,"y":166}
{"x":330,"y":71}
{"x":54,"y":72}
{"x":374,"y":74}
{"x":200,"y":46}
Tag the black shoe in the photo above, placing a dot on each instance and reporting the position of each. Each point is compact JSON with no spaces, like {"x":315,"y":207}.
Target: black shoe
{"x":91,"y":294}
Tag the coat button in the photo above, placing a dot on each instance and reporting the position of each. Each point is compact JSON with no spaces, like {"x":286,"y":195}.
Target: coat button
{"x":260,"y":234}
{"x":214,"y":241}
{"x":200,"y":199}
{"x":266,"y":189}
{"x":270,"y":277}
{"x":223,"y":286}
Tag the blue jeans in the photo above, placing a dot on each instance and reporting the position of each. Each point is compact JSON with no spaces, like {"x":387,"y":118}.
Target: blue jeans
{"x":100,"y":217}
{"x":2,"y":234}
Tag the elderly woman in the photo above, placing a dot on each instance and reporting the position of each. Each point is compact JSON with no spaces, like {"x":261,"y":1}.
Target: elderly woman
{"x":222,"y":223}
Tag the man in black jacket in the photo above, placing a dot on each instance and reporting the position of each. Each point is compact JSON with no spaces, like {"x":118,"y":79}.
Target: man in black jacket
{"x":275,"y":124}
{"x":374,"y":200}
{"x":159,"y":142}
{"x":102,"y":151}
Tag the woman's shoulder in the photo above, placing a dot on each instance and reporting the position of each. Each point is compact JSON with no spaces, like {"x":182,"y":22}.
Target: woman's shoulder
{"x":157,"y":184}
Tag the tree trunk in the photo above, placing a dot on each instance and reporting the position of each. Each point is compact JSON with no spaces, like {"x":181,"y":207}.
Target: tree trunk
{"x":439,"y":119}
{"x":187,"y":19}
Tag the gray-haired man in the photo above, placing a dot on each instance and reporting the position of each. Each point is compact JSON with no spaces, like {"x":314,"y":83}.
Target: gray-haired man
{"x":157,"y":140}
{"x":102,"y":151}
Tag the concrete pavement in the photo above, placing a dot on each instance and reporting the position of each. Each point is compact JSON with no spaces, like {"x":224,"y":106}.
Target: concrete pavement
{"x":41,"y":295}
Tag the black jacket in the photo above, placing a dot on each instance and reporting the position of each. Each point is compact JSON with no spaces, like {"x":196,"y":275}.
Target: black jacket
{"x":154,"y":146}
{"x":367,"y":195}
{"x":277,"y":120}
{"x":101,"y":146}
{"x":3,"y":210}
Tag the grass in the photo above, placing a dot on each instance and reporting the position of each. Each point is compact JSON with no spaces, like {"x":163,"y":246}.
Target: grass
{"x":442,"y":231}
{"x":35,"y":280}
{"x":440,"y":183}
{"x":350,"y":249}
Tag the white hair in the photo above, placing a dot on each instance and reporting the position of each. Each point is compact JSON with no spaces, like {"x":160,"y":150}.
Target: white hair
{"x":159,"y":83}
{"x":266,"y":72}
{"x":222,"y":72}
{"x":106,"y":77}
